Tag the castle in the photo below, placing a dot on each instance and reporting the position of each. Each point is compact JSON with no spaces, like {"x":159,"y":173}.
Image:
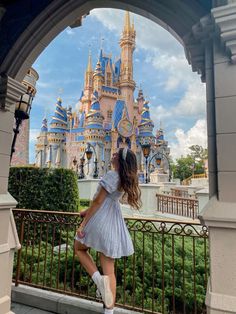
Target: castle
{"x":108,"y":118}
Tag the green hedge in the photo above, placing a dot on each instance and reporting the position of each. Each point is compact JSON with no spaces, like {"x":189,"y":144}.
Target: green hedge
{"x":47,"y":189}
{"x":84,"y":202}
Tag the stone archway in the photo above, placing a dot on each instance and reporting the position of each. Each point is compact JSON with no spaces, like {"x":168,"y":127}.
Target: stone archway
{"x":176,"y":17}
{"x":209,"y":38}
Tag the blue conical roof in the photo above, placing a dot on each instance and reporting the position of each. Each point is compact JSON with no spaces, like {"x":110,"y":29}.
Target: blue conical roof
{"x":146,"y":125}
{"x":44,"y":127}
{"x":94,"y":118}
{"x":118,"y":112}
{"x":145,"y":115}
{"x":59,"y":117}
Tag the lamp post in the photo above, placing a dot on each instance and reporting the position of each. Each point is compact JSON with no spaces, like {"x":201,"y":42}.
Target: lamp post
{"x":146,"y":148}
{"x":158,"y":156}
{"x":75,"y":163}
{"x":81,"y":166}
{"x":89,"y":153}
{"x":22,"y":112}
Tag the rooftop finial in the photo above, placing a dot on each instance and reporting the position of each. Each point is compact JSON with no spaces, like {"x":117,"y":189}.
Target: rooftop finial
{"x":60,"y":92}
{"x":132,"y":27}
{"x":127,"y":22}
{"x":101,"y":42}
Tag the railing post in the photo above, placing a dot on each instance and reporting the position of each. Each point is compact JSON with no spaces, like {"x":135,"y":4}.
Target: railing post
{"x":21,"y":237}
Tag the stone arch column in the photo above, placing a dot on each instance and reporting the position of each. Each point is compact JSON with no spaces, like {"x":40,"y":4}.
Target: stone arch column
{"x":10,"y":92}
{"x":211,"y":49}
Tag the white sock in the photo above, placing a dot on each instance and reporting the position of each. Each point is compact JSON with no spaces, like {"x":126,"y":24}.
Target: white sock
{"x":108,"y":311}
{"x":96,"y":277}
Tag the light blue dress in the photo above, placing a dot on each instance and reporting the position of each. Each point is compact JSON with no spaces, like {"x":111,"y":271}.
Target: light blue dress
{"x":106,"y":230}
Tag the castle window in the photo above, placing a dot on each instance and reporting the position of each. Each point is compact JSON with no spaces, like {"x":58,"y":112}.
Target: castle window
{"x":109,"y":114}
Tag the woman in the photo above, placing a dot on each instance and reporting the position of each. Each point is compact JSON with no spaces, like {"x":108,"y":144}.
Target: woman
{"x":103,"y":227}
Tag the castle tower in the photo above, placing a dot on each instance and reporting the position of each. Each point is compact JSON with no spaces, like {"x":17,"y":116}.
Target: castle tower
{"x":108,"y":74}
{"x":41,"y":145}
{"x":140,"y":100}
{"x":56,"y":156}
{"x":98,"y":78}
{"x":88,"y":86}
{"x":146,"y":126}
{"x":127,"y":84}
{"x":94,"y":132}
{"x":21,"y":154}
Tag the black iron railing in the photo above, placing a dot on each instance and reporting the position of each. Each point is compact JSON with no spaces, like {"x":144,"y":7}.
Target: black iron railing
{"x":167,"y":274}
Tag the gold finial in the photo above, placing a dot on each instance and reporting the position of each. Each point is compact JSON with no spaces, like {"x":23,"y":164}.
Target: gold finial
{"x":127,"y":22}
{"x":132,"y":27}
{"x":60,"y":92}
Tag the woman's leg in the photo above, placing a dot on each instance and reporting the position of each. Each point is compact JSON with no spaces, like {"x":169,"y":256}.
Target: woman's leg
{"x":85,"y":258}
{"x":108,"y":268}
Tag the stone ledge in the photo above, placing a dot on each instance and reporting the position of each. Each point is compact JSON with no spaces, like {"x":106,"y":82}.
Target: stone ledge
{"x":219,"y":302}
{"x":7,"y":201}
{"x":219,"y":214}
{"x":58,"y":303}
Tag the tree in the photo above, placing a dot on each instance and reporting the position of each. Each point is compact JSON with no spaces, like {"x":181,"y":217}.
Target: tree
{"x":198,"y":153}
{"x":183,"y":168}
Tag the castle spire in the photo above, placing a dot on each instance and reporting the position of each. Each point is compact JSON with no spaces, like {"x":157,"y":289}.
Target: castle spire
{"x":126,"y":81}
{"x":89,"y":67}
{"x":132,"y":27}
{"x":127,"y":22}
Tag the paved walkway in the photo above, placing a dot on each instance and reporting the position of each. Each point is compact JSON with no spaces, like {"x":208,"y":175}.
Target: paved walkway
{"x":24,"y":309}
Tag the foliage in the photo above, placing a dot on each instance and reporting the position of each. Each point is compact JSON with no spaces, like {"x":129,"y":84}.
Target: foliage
{"x":44,"y":188}
{"x":164,"y":268}
{"x":184,"y":167}
{"x":198,"y":153}
{"x":84,"y":202}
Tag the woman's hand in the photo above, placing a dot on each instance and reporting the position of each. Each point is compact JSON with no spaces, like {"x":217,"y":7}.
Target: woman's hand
{"x":80,"y":233}
{"x":83,"y":213}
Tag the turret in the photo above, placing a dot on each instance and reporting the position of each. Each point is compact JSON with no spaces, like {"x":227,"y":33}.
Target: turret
{"x":146,"y":126}
{"x":98,"y":78}
{"x":127,"y":44}
{"x":88,"y":86}
{"x":57,"y":135}
{"x":41,"y":145}
{"x":108,"y":74}
{"x":94,"y":121}
{"x":140,"y":100}
{"x":88,"y":79}
{"x":94,"y":132}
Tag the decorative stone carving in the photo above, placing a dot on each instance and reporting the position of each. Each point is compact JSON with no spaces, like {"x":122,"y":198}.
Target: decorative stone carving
{"x":222,"y":24}
{"x":10,"y":91}
{"x":225,"y":21}
{"x":195,"y":44}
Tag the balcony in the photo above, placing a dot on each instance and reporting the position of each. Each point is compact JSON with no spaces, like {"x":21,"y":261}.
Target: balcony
{"x":167,"y":274}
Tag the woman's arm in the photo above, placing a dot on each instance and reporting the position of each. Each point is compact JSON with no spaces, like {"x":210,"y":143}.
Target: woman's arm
{"x":97,"y":202}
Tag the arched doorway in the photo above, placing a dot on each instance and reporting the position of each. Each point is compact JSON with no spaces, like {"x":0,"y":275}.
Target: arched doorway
{"x":209,"y":41}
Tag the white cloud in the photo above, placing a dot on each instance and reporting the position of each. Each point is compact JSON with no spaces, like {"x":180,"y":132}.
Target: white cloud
{"x":193,"y":102}
{"x":197,"y":135}
{"x":34,"y":133}
{"x":149,"y":36}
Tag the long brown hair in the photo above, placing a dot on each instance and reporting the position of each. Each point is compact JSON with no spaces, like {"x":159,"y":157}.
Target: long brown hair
{"x":128,"y":172}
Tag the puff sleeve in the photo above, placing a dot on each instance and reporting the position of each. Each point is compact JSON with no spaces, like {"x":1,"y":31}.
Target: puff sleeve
{"x":110,"y":181}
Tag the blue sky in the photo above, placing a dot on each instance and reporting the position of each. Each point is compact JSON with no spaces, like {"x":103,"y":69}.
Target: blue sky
{"x":176,"y":94}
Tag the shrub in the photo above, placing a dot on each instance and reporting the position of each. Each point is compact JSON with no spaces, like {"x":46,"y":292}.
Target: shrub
{"x":46,"y":189}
